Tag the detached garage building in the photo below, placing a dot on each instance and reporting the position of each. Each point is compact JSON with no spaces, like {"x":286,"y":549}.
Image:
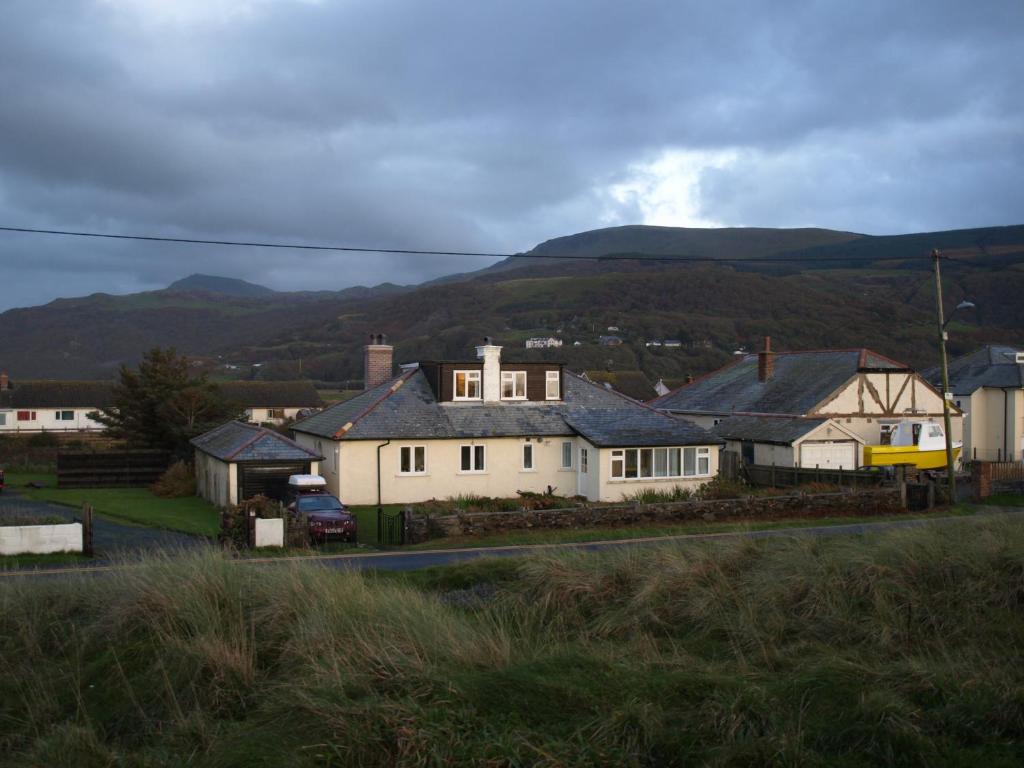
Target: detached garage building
{"x":237,"y":461}
{"x":791,"y":441}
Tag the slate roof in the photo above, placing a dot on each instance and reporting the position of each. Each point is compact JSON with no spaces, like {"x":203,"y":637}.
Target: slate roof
{"x":632,"y":384}
{"x":57,"y":394}
{"x":991,"y":366}
{"x":271,"y":394}
{"x":777,"y":430}
{"x":405,"y":408}
{"x":800,"y":381}
{"x":237,"y":441}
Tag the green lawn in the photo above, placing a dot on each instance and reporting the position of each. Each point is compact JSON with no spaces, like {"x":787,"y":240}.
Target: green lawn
{"x":136,"y":506}
{"x":1005,"y":500}
{"x":581,"y":535}
{"x":15,"y":562}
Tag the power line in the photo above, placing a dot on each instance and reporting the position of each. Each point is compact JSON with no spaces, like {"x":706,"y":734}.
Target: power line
{"x":674,"y":258}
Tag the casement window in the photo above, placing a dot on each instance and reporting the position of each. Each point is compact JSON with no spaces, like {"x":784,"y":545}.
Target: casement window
{"x":26,"y":415}
{"x":412,"y":460}
{"x":654,"y":463}
{"x":567,"y":454}
{"x":513,"y":385}
{"x":467,"y":385}
{"x":473,"y":458}
{"x":65,"y":415}
{"x":3,"y":419}
{"x":584,"y":461}
{"x":527,"y":456}
{"x":275,"y":413}
{"x":552,"y":385}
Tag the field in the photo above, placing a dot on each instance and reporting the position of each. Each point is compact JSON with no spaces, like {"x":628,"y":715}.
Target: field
{"x":896,"y":649}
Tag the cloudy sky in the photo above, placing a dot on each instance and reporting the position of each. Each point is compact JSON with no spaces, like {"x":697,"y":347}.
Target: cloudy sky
{"x":484,"y":125}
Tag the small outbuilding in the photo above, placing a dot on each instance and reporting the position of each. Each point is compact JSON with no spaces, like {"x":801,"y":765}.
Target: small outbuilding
{"x":237,"y":461}
{"x":791,"y":441}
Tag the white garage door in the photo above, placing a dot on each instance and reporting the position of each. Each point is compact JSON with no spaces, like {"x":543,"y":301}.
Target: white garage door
{"x":837,"y":455}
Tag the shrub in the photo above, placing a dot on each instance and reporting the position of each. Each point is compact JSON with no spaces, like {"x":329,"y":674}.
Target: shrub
{"x":177,"y":481}
{"x":661,"y":495}
{"x":721,"y":487}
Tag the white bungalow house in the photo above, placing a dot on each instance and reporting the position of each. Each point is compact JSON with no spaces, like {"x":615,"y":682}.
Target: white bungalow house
{"x":493,"y":428}
{"x":51,"y":406}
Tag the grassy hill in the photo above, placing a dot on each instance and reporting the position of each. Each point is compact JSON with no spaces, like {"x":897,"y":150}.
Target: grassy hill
{"x":821,"y":299}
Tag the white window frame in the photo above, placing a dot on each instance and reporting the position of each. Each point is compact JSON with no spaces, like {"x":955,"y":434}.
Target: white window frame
{"x":676,"y":462}
{"x":475,"y":467}
{"x":584,"y":461}
{"x":528,"y":451}
{"x":3,"y":418}
{"x":60,"y":415}
{"x":552,"y":377}
{"x":515,"y":378}
{"x":567,"y":453}
{"x":471,"y":376}
{"x":412,"y":449}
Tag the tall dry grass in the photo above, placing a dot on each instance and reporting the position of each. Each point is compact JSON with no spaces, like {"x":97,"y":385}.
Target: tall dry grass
{"x":897,"y":649}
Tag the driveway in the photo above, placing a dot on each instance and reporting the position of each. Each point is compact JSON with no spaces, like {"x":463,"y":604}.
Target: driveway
{"x":109,"y":539}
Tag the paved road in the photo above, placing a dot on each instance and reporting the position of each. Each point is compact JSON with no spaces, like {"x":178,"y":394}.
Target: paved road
{"x":110,"y":539}
{"x":408,"y":561}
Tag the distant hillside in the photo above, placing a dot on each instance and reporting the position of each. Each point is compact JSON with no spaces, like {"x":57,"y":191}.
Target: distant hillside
{"x":227,"y":286}
{"x":819,"y":300}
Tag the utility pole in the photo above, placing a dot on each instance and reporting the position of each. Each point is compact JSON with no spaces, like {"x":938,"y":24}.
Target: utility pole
{"x":950,"y":470}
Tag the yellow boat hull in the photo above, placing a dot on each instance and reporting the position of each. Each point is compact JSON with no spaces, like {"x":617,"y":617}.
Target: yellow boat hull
{"x":888,"y":455}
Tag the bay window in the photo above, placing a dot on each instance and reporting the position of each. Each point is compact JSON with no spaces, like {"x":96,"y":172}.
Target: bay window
{"x":654,"y":463}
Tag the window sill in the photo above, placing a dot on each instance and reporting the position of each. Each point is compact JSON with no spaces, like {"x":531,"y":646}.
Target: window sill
{"x":412,"y":474}
{"x":472,"y":472}
{"x":527,"y":471}
{"x":566,"y":469}
{"x":657,"y":479}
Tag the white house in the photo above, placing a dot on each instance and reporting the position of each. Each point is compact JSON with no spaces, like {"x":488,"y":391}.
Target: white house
{"x":988,"y":385}
{"x":51,"y":406}
{"x":540,"y":342}
{"x":493,"y":428}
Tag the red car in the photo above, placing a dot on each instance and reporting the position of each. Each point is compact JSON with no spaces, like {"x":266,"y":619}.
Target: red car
{"x":329,"y":519}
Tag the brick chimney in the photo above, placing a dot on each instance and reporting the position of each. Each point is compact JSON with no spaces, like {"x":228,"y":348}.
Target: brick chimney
{"x":5,"y":383}
{"x":766,"y":361}
{"x":378,"y":361}
{"x":491,"y":355}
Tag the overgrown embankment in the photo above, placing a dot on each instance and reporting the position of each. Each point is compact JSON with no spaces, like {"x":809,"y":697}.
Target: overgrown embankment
{"x":903,"y":648}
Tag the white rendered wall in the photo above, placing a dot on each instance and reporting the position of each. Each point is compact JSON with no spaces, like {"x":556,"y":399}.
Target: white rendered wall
{"x":40,"y":539}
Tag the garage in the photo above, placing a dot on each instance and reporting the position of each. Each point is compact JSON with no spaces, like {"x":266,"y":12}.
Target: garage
{"x":238,"y":460}
{"x":838,"y":454}
{"x":790,"y":441}
{"x":268,"y":480}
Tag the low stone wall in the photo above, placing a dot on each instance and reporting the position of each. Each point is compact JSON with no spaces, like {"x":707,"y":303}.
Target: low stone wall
{"x":40,"y":539}
{"x":857,"y":502}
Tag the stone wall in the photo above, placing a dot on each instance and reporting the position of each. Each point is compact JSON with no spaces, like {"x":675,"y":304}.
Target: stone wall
{"x":990,"y":478}
{"x":855,"y":502}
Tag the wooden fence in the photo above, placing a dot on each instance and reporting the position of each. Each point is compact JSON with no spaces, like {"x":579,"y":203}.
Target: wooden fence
{"x":784,"y":477}
{"x":110,"y":469}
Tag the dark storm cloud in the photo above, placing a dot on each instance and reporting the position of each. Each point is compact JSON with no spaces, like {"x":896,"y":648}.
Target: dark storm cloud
{"x":481,"y":126}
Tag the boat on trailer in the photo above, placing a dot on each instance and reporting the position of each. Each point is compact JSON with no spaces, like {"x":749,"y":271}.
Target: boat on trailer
{"x":920,"y":442}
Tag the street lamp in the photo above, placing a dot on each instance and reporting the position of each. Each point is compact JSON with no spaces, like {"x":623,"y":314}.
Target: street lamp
{"x":946,"y":396}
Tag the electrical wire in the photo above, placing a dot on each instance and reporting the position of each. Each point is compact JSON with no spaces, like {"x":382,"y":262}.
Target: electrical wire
{"x":632,"y":256}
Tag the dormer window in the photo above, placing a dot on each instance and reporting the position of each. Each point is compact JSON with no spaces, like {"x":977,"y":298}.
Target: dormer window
{"x":513,"y":385}
{"x":552,"y":386}
{"x":467,"y":385}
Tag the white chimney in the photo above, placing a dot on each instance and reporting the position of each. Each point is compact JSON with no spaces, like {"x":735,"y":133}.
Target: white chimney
{"x":491,"y":355}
